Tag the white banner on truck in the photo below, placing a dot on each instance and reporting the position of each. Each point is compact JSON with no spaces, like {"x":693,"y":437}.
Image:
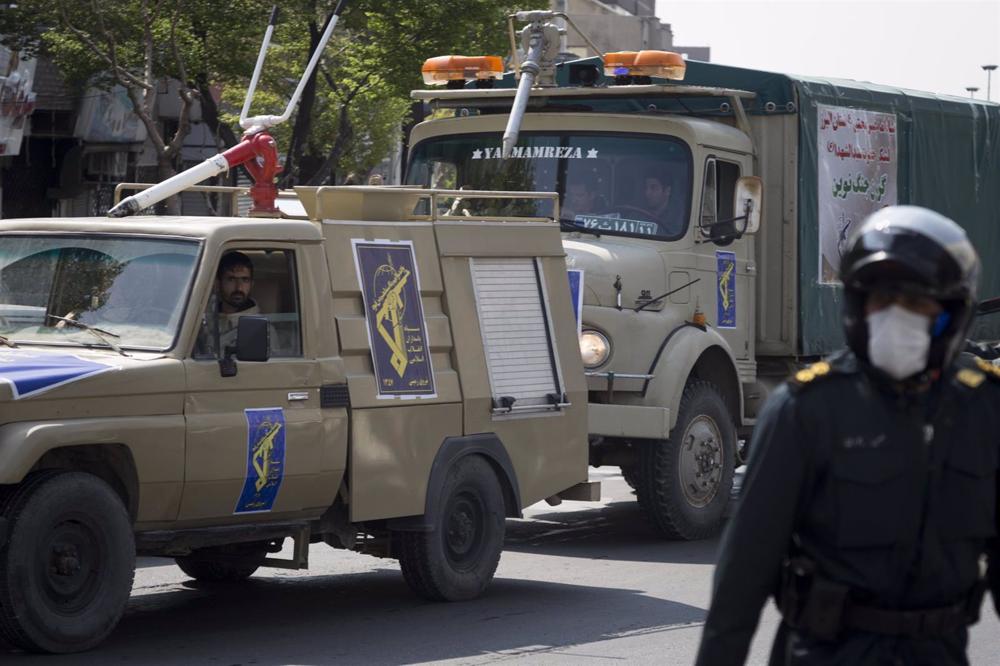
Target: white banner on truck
{"x":857,"y":176}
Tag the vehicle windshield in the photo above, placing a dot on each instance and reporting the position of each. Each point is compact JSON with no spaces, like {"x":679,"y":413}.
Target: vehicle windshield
{"x":622,"y":184}
{"x":132,"y":288}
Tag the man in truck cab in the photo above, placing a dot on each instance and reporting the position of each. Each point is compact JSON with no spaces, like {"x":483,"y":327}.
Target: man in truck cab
{"x":656,"y":194}
{"x":234,"y":284}
{"x":870,"y":495}
{"x":583,"y":197}
{"x":234,"y":281}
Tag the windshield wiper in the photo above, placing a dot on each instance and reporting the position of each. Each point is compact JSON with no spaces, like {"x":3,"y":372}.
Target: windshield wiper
{"x":8,"y":342}
{"x":100,"y":333}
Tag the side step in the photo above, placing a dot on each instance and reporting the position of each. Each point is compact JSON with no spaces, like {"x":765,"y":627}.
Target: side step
{"x":300,"y":553}
{"x":588,"y":491}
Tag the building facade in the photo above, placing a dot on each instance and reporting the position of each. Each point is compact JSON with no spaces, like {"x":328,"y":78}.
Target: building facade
{"x":621,"y":25}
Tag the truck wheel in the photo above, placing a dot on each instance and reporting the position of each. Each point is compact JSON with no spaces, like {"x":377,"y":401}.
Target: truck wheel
{"x":629,"y":474}
{"x":456,"y":561}
{"x":66,"y":569}
{"x":685,"y":481}
{"x":223,"y":564}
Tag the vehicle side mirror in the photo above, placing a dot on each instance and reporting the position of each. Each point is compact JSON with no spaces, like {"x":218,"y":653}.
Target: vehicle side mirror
{"x":747,"y":201}
{"x":253,"y":341}
{"x":253,"y":344}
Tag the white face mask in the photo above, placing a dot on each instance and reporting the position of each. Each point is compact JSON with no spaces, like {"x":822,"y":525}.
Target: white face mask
{"x":898,"y":341}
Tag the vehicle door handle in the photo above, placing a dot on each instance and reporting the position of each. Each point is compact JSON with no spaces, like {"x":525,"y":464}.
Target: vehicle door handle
{"x":298,"y":395}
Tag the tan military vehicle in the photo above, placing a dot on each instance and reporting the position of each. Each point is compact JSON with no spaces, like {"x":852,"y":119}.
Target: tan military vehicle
{"x":385,"y":381}
{"x":703,"y":210}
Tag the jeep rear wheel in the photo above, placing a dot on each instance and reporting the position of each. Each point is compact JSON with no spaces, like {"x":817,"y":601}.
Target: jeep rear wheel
{"x":684,"y":482}
{"x":456,"y":561}
{"x":224,"y":564}
{"x":66,"y":569}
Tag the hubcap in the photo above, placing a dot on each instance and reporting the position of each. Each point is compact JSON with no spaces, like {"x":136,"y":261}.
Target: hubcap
{"x":700,"y":463}
{"x":464,"y":525}
{"x":70,"y":565}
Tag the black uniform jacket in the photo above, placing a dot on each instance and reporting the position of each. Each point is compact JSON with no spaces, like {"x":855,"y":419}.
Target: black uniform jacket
{"x":894,"y":495}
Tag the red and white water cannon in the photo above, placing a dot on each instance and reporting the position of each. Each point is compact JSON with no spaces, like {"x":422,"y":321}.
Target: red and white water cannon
{"x":256,"y":151}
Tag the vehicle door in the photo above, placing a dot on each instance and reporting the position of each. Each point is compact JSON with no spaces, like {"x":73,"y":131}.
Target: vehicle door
{"x":254,"y":440}
{"x":727,"y":255}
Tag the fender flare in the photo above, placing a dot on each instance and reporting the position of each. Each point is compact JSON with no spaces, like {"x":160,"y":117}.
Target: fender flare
{"x":676,"y":358}
{"x":453,"y":449}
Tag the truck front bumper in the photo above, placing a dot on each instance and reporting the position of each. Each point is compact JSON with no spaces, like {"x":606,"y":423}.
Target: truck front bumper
{"x":632,"y":421}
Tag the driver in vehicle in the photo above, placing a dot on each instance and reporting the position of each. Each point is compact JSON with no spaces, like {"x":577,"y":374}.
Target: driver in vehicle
{"x":234,"y":284}
{"x":656,"y":192}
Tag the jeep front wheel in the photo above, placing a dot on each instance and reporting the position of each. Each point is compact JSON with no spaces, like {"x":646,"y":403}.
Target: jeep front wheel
{"x":67,"y":566}
{"x":457,"y":559}
{"x":684,"y":482}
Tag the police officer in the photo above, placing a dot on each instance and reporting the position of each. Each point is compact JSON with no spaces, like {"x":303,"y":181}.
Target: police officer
{"x":870,"y":494}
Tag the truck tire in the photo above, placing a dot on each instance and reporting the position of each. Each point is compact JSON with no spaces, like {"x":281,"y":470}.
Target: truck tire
{"x":629,"y":475}
{"x":223,"y":564}
{"x":684,"y":482}
{"x":457,"y":559}
{"x":66,"y":569}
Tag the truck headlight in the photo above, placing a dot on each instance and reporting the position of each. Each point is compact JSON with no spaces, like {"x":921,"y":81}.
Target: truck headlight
{"x":594,"y":348}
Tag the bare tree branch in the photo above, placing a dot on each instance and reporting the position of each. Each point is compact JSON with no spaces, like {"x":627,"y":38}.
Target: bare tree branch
{"x":121,"y":74}
{"x":181,"y":67}
{"x":147,"y":119}
{"x":346,"y":129}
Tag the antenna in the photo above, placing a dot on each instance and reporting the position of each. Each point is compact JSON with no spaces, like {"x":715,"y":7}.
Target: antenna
{"x":257,"y":151}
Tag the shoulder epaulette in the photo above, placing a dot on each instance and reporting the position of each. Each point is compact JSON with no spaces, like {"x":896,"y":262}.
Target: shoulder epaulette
{"x":810,"y":374}
{"x":973,"y":377}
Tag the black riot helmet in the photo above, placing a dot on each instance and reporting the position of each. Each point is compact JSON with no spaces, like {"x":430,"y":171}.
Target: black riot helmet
{"x":911,"y":250}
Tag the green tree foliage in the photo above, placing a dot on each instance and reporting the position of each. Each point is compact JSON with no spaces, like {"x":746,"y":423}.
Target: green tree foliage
{"x":137,"y":44}
{"x":351,"y":112}
{"x":361,"y":96}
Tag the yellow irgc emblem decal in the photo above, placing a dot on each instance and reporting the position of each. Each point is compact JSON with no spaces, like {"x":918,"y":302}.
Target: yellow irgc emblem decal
{"x":262,"y":456}
{"x":724,"y":279}
{"x":389,"y":307}
{"x":264,"y":459}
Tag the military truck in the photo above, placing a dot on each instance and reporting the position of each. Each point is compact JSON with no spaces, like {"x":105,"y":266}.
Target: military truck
{"x":394,"y":383}
{"x":705,"y":207}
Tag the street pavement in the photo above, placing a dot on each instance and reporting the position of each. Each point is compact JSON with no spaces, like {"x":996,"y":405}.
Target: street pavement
{"x":578,"y":584}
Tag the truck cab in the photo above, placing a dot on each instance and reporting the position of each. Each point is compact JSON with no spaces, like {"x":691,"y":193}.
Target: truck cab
{"x":656,"y":216}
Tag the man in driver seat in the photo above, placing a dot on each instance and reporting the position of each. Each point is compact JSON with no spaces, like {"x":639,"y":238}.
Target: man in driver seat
{"x":656,"y":192}
{"x":234,"y":283}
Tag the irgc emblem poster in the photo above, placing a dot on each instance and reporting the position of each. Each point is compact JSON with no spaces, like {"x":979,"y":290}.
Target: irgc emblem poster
{"x":265,"y":459}
{"x":857,"y":165}
{"x":725,"y":282}
{"x":397,"y":331}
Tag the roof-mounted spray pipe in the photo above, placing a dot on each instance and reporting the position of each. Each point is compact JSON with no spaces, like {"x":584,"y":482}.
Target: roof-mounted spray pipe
{"x":540,"y":39}
{"x":529,"y":70}
{"x":257,"y":151}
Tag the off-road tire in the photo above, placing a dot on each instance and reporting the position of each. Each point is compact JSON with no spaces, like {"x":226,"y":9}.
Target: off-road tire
{"x":456,"y":561}
{"x":666,"y":500}
{"x":67,"y":567}
{"x":223,"y":564}
{"x":630,"y":475}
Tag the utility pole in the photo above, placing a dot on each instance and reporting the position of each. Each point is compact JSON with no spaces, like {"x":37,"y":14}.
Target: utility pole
{"x":972,"y":91}
{"x":989,"y":74}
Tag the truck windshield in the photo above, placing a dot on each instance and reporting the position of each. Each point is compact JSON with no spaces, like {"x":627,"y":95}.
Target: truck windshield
{"x":623,"y":184}
{"x":132,"y":288}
